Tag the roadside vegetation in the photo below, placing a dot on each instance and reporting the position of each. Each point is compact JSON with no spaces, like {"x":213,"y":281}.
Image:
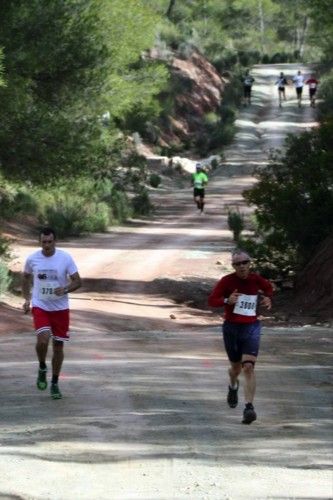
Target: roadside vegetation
{"x":66,"y":154}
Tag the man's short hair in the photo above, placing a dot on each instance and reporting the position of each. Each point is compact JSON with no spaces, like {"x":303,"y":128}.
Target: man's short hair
{"x":47,"y":231}
{"x":238,"y":255}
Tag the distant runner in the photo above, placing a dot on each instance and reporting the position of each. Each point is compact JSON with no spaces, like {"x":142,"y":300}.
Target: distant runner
{"x":238,"y":293}
{"x":248,"y":81}
{"x":199,"y":181}
{"x":313,"y":85}
{"x":281,"y":82}
{"x":299,"y":83}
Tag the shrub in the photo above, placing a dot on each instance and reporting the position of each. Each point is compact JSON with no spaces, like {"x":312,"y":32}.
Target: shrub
{"x":4,"y":278}
{"x":4,"y":248}
{"x":120,"y":206}
{"x":141,"y":203}
{"x":326,"y":93}
{"x":73,"y":217}
{"x":154,"y":180}
{"x":235,"y":223}
{"x":294,"y":199}
{"x":214,"y":164}
{"x":16,"y":199}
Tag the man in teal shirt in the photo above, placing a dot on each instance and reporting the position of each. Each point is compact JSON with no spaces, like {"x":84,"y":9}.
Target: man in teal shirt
{"x":199,"y":180}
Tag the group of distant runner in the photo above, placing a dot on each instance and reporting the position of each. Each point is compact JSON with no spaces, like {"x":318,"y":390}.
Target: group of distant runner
{"x":199,"y":178}
{"x":298,"y":81}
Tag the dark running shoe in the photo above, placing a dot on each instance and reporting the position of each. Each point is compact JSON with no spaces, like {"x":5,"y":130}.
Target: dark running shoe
{"x":41,"y":379}
{"x":249,"y":415}
{"x":233,"y":396}
{"x":55,"y":392}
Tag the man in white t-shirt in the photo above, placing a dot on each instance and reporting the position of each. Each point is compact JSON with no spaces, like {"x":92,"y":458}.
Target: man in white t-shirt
{"x":299,"y":83}
{"x":52,"y":273}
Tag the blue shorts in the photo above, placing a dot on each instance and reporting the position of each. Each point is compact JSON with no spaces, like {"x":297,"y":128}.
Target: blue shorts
{"x":241,"y":338}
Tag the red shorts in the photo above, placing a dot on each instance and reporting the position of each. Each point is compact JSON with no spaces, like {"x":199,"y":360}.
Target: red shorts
{"x":56,"y":321}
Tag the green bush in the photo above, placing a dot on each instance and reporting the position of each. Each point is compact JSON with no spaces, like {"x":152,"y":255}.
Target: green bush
{"x":4,"y":248}
{"x":73,"y":217}
{"x":214,"y":164}
{"x":141,"y":203}
{"x":120,"y":206}
{"x":294,"y":199}
{"x":235,"y":223}
{"x":4,"y":278}
{"x":93,"y":206}
{"x":15,"y":199}
{"x":326,"y":94}
{"x":154,"y":180}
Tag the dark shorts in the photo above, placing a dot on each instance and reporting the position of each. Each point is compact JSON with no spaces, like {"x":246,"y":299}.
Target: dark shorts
{"x":312,"y":92}
{"x":55,"y":321}
{"x":199,"y":192}
{"x":281,"y":89}
{"x":247,"y":90}
{"x":299,"y":91}
{"x":241,"y":338}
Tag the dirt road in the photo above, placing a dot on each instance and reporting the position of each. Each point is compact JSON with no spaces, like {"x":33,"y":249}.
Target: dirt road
{"x":144,"y":413}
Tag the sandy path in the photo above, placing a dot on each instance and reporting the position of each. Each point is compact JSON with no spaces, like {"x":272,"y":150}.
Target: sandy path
{"x":144,"y":413}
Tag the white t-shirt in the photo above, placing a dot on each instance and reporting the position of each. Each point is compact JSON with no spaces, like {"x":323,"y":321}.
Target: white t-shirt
{"x":298,"y":81}
{"x":49,"y":273}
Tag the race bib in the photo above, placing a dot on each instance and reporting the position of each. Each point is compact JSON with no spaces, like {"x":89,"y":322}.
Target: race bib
{"x":46,"y":290}
{"x":246,"y":305}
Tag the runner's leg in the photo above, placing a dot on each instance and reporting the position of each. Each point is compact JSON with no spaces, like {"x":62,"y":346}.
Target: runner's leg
{"x":202,"y":203}
{"x":42,"y":346}
{"x":234,"y":371}
{"x":58,"y":357}
{"x":248,"y":363}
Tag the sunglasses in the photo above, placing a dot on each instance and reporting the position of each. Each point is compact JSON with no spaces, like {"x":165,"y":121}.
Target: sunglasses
{"x":243,"y":262}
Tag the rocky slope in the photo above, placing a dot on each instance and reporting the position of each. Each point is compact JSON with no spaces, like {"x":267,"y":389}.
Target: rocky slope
{"x":197,"y":91}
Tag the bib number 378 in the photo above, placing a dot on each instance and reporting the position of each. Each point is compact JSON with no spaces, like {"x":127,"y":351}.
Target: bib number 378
{"x":46,"y":291}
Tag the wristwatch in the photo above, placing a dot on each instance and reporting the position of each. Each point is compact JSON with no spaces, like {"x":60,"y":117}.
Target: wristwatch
{"x":66,"y":289}
{"x":226,"y":301}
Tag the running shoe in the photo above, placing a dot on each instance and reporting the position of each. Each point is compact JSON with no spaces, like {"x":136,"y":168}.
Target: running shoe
{"x":41,"y":379}
{"x":233,"y":396}
{"x":249,"y":415}
{"x":55,"y":392}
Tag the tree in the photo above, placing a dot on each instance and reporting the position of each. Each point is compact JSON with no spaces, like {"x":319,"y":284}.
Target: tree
{"x":294,"y":198}
{"x":66,"y":63}
{"x":170,"y":8}
{"x":2,"y":82}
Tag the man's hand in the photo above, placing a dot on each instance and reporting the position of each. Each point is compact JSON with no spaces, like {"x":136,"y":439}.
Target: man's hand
{"x":266,"y":302}
{"x":26,"y":306}
{"x":233,"y":297}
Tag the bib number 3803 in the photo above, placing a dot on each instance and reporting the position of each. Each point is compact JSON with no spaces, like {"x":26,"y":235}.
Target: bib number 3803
{"x":246,"y":305}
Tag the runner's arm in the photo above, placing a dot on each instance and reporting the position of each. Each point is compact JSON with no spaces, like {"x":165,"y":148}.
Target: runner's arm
{"x":75,"y":283}
{"x":26,"y":290}
{"x":217,"y":297}
{"x":267,"y":289}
